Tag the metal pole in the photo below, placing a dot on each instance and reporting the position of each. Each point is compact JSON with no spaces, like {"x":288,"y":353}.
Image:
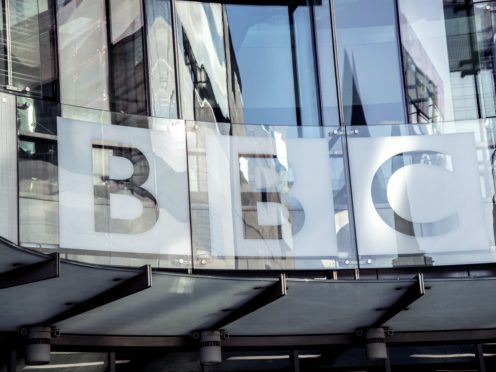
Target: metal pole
{"x":479,"y":353}
{"x":111,"y":362}
{"x":12,"y":362}
{"x":295,"y":361}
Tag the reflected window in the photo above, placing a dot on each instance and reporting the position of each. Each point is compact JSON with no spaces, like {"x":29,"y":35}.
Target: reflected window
{"x":248,"y":63}
{"x":370,"y":68}
{"x":448,"y":49}
{"x":37,"y":172}
{"x":27,"y":43}
{"x":102,"y":55}
{"x":38,"y":192}
{"x":36,"y":116}
{"x":161,"y":70}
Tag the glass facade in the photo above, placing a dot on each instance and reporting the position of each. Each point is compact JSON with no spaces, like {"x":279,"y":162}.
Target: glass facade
{"x":247,"y":135}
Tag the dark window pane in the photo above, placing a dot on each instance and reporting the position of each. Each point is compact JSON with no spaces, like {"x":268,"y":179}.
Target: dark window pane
{"x":370,"y":74}
{"x":36,"y":116}
{"x":28,"y":47}
{"x":127,"y":74}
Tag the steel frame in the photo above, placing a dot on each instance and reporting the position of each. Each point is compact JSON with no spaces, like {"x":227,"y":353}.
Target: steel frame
{"x":265,"y":297}
{"x":48,"y":268}
{"x":128,"y":287}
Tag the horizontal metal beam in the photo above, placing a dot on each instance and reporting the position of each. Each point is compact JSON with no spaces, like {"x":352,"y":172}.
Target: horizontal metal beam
{"x":128,"y":287}
{"x":412,"y":294}
{"x":47,"y":269}
{"x":106,"y":342}
{"x":266,"y":296}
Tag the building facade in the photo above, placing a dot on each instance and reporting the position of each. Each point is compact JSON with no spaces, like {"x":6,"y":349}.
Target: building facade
{"x":335,"y":156}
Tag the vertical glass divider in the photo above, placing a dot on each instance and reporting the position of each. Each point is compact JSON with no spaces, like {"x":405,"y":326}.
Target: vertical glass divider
{"x":8,"y":39}
{"x":336,"y":64}
{"x":402,"y":62}
{"x":144,"y":38}
{"x":176,"y":59}
{"x":316,"y":64}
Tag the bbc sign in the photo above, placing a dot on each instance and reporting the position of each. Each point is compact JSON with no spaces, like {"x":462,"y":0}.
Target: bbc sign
{"x":126,"y":189}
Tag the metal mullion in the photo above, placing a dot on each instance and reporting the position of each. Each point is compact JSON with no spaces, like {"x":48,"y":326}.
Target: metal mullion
{"x":316,"y":64}
{"x":110,"y":67}
{"x":176,"y":59}
{"x":8,"y":41}
{"x":336,"y":64}
{"x":294,"y":60}
{"x":144,"y":40}
{"x":403,"y":66}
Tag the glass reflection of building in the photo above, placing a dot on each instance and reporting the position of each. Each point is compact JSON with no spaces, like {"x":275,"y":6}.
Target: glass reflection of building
{"x":253,"y":95}
{"x":244,"y":67}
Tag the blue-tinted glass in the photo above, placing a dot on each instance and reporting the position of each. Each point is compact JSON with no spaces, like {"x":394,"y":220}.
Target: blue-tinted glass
{"x":448,"y":50}
{"x":248,"y":63}
{"x":273,"y":51}
{"x":370,"y":74}
{"x":327,"y":73}
{"x":161,"y":71}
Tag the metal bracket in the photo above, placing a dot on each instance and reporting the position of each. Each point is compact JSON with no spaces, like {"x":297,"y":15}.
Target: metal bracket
{"x":265,"y":297}
{"x":128,"y":287}
{"x":46,"y":269}
{"x":412,"y":294}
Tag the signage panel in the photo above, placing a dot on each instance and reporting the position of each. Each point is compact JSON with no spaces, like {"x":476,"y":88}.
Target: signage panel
{"x":270,"y":197}
{"x":123,"y":189}
{"x":417,"y":194}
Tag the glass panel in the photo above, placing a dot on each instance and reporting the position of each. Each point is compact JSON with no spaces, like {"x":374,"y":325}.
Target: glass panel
{"x":36,"y":116}
{"x":126,"y":58}
{"x":272,"y":54}
{"x":485,"y":28}
{"x":327,"y":73}
{"x":248,"y":63}
{"x":83,"y":53}
{"x":38,"y":192}
{"x":370,"y":73}
{"x":253,"y":203}
{"x":102,"y":56}
{"x":202,"y":61}
{"x":28,"y":44}
{"x":448,"y":55}
{"x":424,"y":194}
{"x":105,"y":193}
{"x":161,"y":70}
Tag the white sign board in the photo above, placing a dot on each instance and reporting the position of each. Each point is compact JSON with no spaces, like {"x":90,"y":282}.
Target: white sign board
{"x":417,"y":194}
{"x":123,"y":189}
{"x":269,"y":197}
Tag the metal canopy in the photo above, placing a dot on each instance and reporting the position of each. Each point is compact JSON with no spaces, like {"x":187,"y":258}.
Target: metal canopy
{"x":451,"y":304}
{"x":120,"y":306}
{"x":176,"y":304}
{"x":13,"y":257}
{"x":322,"y":307}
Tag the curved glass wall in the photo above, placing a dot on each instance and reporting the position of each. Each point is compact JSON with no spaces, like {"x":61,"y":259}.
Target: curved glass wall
{"x":256,"y":173}
{"x":223,"y":196}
